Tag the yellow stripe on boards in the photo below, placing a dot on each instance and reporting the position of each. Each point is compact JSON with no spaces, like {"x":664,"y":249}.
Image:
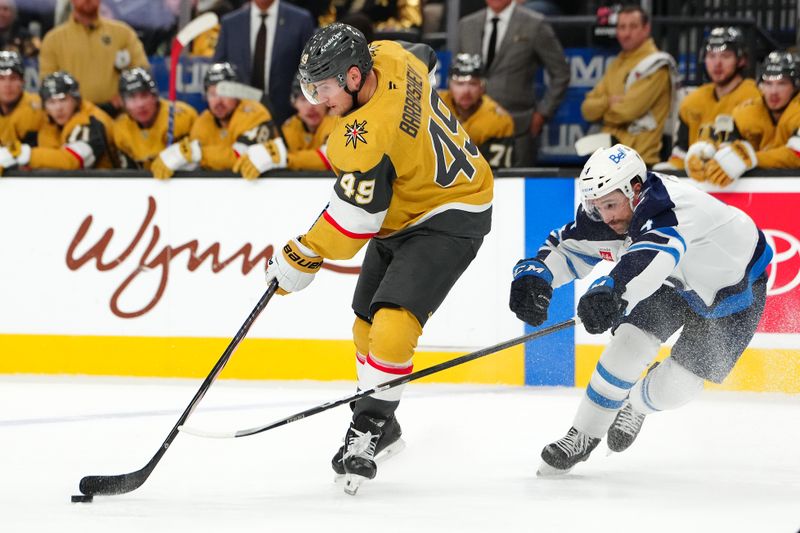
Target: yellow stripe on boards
{"x":289,"y":359}
{"x":758,"y":370}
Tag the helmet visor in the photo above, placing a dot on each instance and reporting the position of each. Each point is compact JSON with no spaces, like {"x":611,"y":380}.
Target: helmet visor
{"x":319,"y":92}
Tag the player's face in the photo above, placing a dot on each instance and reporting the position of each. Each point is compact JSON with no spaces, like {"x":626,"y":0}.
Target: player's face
{"x":142,"y":107}
{"x":10,"y":88}
{"x":631,"y":32}
{"x":615,"y":210}
{"x":721,"y":65}
{"x":61,"y":109}
{"x":310,"y":114}
{"x":221,"y":107}
{"x":777,"y":92}
{"x":466,"y":92}
{"x":329,"y":93}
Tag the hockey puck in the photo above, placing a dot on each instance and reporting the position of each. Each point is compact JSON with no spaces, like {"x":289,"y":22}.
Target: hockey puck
{"x":82,"y":498}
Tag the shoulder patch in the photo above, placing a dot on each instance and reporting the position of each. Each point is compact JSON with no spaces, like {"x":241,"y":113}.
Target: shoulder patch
{"x":355,"y":132}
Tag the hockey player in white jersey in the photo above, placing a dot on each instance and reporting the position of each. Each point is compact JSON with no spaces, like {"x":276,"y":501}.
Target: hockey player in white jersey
{"x":682,"y":259}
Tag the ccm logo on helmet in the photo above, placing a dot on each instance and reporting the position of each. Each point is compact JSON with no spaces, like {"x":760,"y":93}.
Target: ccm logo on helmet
{"x":619,"y":156}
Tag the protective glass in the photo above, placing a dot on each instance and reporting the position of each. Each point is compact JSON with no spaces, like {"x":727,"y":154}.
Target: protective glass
{"x":321,"y":91}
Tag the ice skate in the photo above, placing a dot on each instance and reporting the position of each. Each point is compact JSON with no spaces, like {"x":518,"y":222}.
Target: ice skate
{"x":360,"y":445}
{"x":560,"y":456}
{"x":389,"y":445}
{"x":625,"y":429}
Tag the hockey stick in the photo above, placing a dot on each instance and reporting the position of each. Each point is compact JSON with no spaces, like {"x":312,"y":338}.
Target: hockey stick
{"x":122,"y":483}
{"x":232,"y":89}
{"x":382,"y":387}
{"x":588,"y":144}
{"x":188,"y":33}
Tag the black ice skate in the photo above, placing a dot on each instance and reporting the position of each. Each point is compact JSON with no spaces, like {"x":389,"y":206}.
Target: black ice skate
{"x":360,"y":444}
{"x":560,"y":456}
{"x":625,"y":428}
{"x":389,"y":444}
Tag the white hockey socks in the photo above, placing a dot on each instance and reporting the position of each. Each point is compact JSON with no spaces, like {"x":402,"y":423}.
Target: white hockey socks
{"x":667,"y":386}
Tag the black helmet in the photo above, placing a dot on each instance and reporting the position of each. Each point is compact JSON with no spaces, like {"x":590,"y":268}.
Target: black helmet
{"x":219,"y":72}
{"x":726,"y":38}
{"x":331,"y":52}
{"x":781,"y":64}
{"x":59,"y":84}
{"x":11,"y":62}
{"x":466,"y":66}
{"x":136,"y":80}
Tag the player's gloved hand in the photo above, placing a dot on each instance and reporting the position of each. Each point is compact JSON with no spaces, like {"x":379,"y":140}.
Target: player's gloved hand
{"x":261,"y":158}
{"x":174,"y":157}
{"x":697,"y":156}
{"x":294,"y":267}
{"x":602,"y":307}
{"x":730,"y":162}
{"x":7,"y":159}
{"x":531,"y":291}
{"x":22,"y":152}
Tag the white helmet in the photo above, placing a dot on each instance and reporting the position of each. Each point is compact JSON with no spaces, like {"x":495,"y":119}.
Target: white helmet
{"x":608,"y":170}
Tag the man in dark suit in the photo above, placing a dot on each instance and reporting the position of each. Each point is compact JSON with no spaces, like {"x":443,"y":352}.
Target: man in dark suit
{"x":264,"y":39}
{"x":514,"y":42}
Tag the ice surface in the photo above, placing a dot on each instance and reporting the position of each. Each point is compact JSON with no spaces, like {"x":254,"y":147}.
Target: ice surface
{"x":726,"y":462}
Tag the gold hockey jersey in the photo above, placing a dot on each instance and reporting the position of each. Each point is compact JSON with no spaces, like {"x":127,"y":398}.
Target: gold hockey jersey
{"x":403,"y":162}
{"x":489,"y":121}
{"x":250,"y":123}
{"x":698,"y":114}
{"x":85,"y":141}
{"x":22,"y":123}
{"x":305,"y":148}
{"x":138,"y":146}
{"x":777,"y":145}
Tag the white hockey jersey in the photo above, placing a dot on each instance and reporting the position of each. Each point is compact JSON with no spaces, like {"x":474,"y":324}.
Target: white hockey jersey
{"x":710,"y":252}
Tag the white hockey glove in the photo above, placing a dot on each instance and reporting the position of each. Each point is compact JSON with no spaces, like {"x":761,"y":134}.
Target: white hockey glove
{"x":730,"y":162}
{"x":7,"y":159}
{"x":176,"y":157}
{"x":697,"y":157}
{"x":294,"y":267}
{"x":261,"y":158}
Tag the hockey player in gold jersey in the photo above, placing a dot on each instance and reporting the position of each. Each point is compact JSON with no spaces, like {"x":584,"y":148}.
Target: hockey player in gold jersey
{"x":486,"y":122}
{"x":765,"y":132}
{"x":221,"y":134}
{"x":140,"y":134}
{"x":21,"y":114}
{"x":410,"y":185}
{"x":705,"y":114}
{"x":75,"y":136}
{"x":306,"y":135}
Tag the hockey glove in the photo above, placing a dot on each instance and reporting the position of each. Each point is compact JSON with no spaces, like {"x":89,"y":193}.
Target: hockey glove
{"x":294,"y":267}
{"x":602,"y":307}
{"x":261,"y":158}
{"x":730,"y":163}
{"x":531,"y":291}
{"x":7,"y":159}
{"x":175,"y":157}
{"x":697,"y":156}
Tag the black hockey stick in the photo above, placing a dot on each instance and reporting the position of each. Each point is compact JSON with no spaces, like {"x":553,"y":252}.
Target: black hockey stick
{"x":122,"y":483}
{"x":384,"y":386}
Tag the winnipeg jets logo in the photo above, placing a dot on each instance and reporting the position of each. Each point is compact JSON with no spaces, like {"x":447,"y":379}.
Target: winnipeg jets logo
{"x":353,"y":133}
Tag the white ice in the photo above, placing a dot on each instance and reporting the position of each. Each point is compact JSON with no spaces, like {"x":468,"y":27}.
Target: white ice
{"x":726,"y":462}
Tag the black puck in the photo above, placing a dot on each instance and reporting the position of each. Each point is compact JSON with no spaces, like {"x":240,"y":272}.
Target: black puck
{"x":82,"y":498}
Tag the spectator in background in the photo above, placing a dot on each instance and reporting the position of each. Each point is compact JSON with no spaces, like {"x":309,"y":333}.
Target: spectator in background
{"x":264,"y":40}
{"x":306,"y":135}
{"x":705,"y":114}
{"x":485,"y":121}
{"x":13,"y":37}
{"x":386,"y":15}
{"x":633,"y":98}
{"x":514,"y":42}
{"x":77,"y":134}
{"x":95,"y":50}
{"x":140,"y":133}
{"x":766,"y":130}
{"x":21,"y":114}
{"x":221,"y":134}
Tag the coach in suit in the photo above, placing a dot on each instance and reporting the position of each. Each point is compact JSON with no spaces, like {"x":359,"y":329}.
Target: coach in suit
{"x":514,"y":42}
{"x":264,"y":40}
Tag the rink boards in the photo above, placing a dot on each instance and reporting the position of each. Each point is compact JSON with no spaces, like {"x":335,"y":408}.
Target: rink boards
{"x":136,"y":277}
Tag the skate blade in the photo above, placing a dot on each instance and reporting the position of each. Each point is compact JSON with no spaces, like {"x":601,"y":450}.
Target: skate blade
{"x":352,"y":482}
{"x":545,"y":470}
{"x":387,"y":453}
